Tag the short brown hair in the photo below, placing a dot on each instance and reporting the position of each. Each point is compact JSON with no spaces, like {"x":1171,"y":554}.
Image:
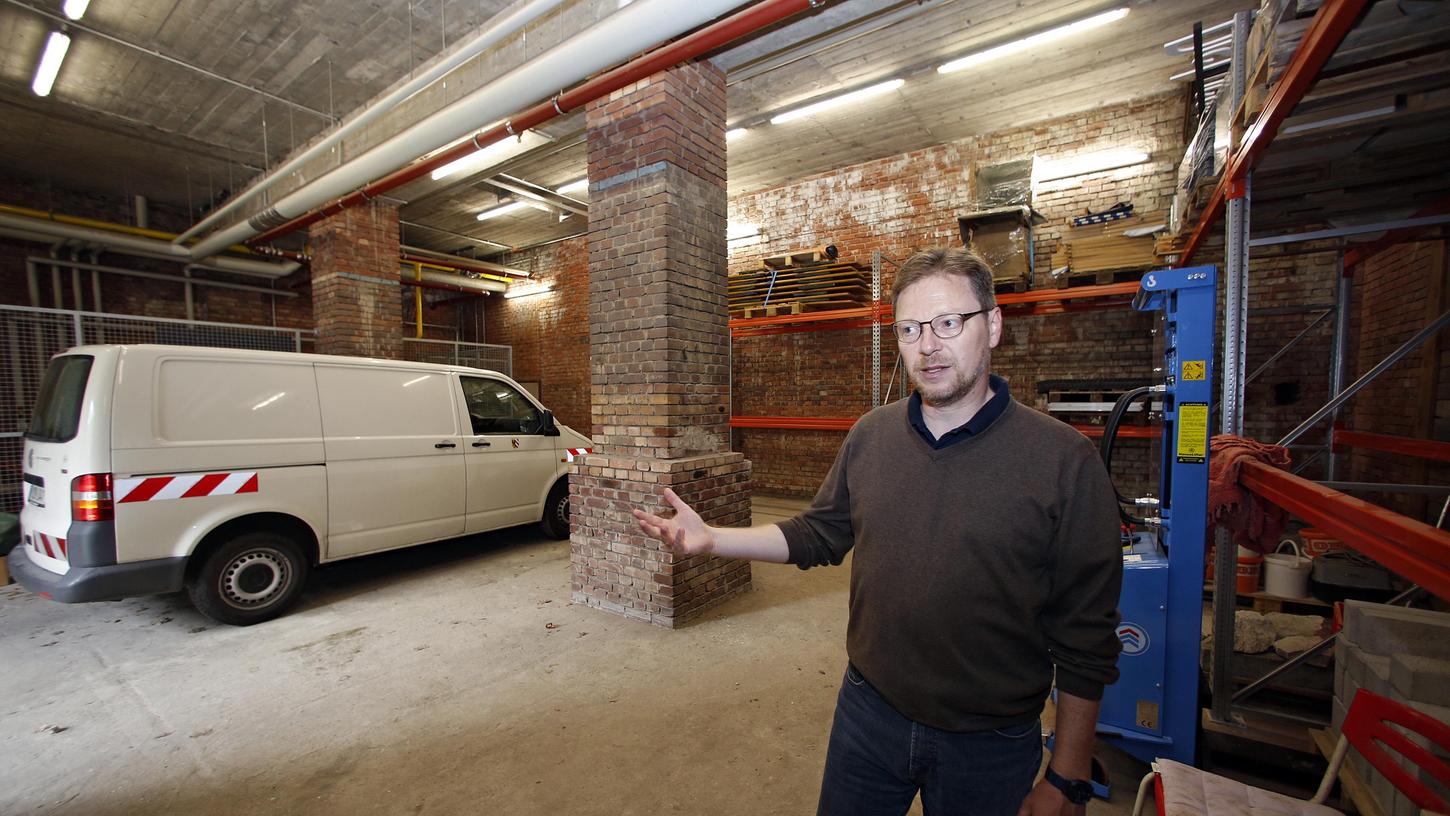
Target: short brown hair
{"x":961,"y":262}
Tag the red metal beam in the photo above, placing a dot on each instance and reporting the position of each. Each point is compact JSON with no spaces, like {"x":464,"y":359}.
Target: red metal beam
{"x":1124,"y":431}
{"x":794,"y":423}
{"x":703,"y":41}
{"x":1412,"y":549}
{"x":1406,"y":445}
{"x":1334,"y":19}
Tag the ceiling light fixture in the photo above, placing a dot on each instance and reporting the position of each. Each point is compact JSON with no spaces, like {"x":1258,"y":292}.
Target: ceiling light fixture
{"x":843,"y":99}
{"x":1089,"y":163}
{"x":735,"y":133}
{"x":75,"y":9}
{"x":512,"y":206}
{"x":495,"y":154}
{"x":50,"y":61}
{"x":516,"y":291}
{"x":578,"y":185}
{"x":1035,"y":40}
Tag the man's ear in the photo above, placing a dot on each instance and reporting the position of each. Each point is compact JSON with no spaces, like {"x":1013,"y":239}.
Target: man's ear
{"x":994,"y":327}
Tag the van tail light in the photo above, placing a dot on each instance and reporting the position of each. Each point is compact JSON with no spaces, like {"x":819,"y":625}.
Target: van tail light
{"x":90,"y":498}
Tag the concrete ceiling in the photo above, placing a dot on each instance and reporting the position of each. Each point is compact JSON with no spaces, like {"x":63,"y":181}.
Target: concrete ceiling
{"x":185,"y":101}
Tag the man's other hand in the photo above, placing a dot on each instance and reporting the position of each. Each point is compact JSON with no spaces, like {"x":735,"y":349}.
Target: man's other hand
{"x":1045,"y":800}
{"x":685,"y":534}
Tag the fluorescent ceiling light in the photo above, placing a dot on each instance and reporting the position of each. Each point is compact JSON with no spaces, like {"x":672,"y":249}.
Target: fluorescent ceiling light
{"x":736,"y":231}
{"x":735,"y":133}
{"x":513,"y":206}
{"x":516,"y":290}
{"x":491,"y":156}
{"x":1089,"y":163}
{"x":50,"y":61}
{"x":1035,"y":40}
{"x":846,"y":98}
{"x":75,"y":9}
{"x":575,"y":186}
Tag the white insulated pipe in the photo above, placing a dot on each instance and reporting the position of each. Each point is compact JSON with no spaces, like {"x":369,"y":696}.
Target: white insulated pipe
{"x":618,"y":37}
{"x":499,"y":29}
{"x":40,"y":229}
{"x":478,"y":284}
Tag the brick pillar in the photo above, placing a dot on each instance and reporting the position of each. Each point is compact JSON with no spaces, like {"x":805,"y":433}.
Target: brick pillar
{"x":355,"y":289}
{"x":659,"y":347}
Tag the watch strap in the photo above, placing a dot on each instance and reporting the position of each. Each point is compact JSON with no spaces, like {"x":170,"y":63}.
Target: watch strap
{"x":1077,"y":791}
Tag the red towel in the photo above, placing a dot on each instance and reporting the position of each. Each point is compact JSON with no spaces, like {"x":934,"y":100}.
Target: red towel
{"x":1254,"y":523}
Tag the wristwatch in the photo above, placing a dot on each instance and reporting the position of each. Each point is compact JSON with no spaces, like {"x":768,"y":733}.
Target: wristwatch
{"x":1077,"y":791}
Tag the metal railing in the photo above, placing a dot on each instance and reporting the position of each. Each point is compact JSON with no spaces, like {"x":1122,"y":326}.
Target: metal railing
{"x":454,"y":352}
{"x":30,"y":336}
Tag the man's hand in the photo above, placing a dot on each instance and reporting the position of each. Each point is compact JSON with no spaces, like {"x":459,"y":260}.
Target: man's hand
{"x":1046,"y":800}
{"x":684,"y":535}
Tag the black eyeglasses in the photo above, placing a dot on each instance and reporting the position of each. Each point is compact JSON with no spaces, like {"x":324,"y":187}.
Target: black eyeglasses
{"x":944,"y":326}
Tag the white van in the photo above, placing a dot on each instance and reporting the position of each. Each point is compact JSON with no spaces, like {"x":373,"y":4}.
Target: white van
{"x":230,"y":473}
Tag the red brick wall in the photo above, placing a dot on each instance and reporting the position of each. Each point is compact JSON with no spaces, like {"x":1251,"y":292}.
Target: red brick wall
{"x":549,"y":332}
{"x":1397,"y":292}
{"x":355,"y":281}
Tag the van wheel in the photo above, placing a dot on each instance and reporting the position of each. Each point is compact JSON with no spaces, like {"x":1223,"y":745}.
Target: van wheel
{"x":250,"y":579}
{"x":556,"y":512}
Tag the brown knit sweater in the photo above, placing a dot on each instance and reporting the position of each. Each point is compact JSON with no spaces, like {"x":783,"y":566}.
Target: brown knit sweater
{"x":978,"y":567}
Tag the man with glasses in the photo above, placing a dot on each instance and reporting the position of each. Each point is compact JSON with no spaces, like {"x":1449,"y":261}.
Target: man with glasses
{"x":987,"y":563}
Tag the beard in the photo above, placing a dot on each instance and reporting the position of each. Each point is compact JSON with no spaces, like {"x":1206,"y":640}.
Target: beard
{"x":950,"y":392}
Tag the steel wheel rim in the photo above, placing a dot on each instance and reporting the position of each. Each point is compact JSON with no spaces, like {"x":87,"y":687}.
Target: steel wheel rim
{"x":238,"y":581}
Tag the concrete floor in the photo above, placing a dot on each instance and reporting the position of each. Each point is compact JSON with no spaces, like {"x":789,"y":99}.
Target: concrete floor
{"x":455,"y":678}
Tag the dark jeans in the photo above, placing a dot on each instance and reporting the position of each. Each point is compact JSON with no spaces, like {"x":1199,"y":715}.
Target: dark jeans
{"x":878,"y":760}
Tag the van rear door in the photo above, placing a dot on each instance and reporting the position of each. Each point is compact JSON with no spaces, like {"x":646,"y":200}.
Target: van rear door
{"x":56,"y":453}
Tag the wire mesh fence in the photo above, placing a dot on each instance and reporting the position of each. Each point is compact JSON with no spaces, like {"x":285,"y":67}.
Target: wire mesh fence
{"x":449,"y":352}
{"x":29,"y":337}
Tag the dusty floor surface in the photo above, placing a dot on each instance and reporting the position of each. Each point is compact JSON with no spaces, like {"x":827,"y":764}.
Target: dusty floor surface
{"x":455,"y":678}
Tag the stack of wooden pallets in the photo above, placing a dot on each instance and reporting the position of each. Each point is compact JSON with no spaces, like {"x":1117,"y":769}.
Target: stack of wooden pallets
{"x":801,"y":288}
{"x":1102,"y":249}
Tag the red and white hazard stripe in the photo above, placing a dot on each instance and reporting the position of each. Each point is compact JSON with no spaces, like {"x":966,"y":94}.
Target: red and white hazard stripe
{"x":573,"y":452}
{"x":51,"y":544}
{"x":185,"y":486}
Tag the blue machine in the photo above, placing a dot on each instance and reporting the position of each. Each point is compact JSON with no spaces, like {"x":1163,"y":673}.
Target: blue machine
{"x":1152,"y":711}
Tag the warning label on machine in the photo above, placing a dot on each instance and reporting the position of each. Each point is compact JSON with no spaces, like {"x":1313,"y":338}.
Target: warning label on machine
{"x":1193,"y":433}
{"x":1195,"y":369}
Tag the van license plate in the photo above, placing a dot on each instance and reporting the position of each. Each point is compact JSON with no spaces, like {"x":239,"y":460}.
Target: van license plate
{"x":36,"y":496}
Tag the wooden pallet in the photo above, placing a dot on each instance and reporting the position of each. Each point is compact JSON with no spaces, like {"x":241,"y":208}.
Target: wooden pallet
{"x":1002,"y":286}
{"x":1103,"y":277}
{"x":764,"y":292}
{"x":799,"y":257}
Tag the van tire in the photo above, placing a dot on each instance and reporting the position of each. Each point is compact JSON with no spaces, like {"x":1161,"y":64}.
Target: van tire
{"x":251,"y":578}
{"x":556,"y":512}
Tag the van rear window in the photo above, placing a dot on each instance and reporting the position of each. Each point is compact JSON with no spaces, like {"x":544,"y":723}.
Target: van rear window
{"x":58,"y":408}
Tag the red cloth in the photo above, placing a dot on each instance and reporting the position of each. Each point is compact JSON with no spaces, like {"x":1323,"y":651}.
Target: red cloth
{"x":1254,"y":523}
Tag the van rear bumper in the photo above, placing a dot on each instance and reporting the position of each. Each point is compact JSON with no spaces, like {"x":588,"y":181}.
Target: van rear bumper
{"x":106,"y":583}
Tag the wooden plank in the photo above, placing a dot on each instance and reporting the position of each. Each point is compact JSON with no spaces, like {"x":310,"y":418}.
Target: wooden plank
{"x":1350,"y":782}
{"x":1259,"y":728}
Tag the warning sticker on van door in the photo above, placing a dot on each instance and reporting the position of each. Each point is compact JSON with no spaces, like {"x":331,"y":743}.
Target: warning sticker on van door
{"x":185,"y":486}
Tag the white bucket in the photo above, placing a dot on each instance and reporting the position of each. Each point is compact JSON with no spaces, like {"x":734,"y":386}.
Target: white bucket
{"x":1287,"y":575}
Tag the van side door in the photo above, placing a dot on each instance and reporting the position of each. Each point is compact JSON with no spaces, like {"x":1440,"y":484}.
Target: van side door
{"x":394,"y":457}
{"x":511,"y":463}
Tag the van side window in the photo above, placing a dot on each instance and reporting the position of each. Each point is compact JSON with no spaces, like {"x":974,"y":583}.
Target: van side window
{"x":495,"y":407}
{"x":58,"y":406}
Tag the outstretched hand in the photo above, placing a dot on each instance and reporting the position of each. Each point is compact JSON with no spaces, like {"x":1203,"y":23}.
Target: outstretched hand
{"x":685,"y":534}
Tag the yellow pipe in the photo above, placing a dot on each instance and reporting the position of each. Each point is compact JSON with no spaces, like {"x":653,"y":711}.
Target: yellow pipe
{"x":418,"y":297}
{"x":110,"y":226}
{"x":442,"y":268}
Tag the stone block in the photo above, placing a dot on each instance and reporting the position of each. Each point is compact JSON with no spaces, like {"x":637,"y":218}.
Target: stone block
{"x":1420,"y":679}
{"x":1287,"y":625}
{"x":1389,"y":630}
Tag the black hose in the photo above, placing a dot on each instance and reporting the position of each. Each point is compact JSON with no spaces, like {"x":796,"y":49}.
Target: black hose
{"x":1110,"y":435}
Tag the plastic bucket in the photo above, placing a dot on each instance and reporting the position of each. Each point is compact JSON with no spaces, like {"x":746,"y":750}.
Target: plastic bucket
{"x":1248,"y":571}
{"x":1287,"y":575}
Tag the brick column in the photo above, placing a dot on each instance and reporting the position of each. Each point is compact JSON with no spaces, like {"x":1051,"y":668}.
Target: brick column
{"x":659,"y":348}
{"x":355,"y":289}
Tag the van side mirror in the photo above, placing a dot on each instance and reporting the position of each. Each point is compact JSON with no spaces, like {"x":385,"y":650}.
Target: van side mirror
{"x":549,"y":428}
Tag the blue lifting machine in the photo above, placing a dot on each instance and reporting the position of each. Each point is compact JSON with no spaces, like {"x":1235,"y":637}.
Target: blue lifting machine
{"x":1153,"y":709}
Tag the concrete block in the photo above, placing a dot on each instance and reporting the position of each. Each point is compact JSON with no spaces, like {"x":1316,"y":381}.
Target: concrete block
{"x":1366,"y":671}
{"x":1339,"y":677}
{"x":1339,"y":711}
{"x":1421,"y":679}
{"x":1390,"y":630}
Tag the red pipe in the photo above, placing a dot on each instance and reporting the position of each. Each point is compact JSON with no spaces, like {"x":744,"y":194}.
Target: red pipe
{"x":706,"y":39}
{"x":447,"y":287}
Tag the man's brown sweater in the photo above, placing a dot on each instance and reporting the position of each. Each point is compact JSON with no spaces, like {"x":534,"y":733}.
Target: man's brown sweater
{"x":977,"y":569}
